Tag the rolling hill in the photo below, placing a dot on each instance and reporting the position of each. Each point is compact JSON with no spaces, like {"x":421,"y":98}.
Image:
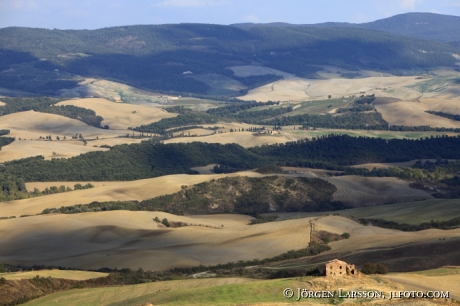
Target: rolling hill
{"x":433,"y":26}
{"x":178,"y":58}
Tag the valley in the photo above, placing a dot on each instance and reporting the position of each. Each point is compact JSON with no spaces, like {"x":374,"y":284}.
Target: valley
{"x":169,"y":165}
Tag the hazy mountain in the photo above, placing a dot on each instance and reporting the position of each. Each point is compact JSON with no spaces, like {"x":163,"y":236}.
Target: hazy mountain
{"x":155,"y":57}
{"x":439,"y":27}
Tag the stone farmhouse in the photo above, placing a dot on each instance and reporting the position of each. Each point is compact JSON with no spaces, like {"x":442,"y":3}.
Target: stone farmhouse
{"x":338,"y":268}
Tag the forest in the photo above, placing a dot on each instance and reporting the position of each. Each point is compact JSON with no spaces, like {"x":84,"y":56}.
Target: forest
{"x":150,"y":159}
{"x":144,"y":53}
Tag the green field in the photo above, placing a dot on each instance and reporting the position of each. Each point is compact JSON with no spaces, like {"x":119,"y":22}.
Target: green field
{"x":439,"y":272}
{"x":193,"y":103}
{"x":220,"y":85}
{"x":181,"y":292}
{"x":434,"y":84}
{"x":410,"y":212}
{"x":320,"y":106}
{"x":356,"y":133}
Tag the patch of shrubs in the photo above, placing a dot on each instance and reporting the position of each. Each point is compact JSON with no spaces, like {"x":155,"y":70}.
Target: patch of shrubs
{"x":444,"y":225}
{"x":374,"y":268}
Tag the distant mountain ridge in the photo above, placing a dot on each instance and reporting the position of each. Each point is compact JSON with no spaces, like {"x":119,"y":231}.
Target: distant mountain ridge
{"x":155,"y":57}
{"x":444,"y":28}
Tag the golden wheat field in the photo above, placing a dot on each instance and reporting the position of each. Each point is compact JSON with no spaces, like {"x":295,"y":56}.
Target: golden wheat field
{"x":48,"y":149}
{"x":418,"y":281}
{"x":365,"y":191}
{"x":114,"y":91}
{"x":67,"y":274}
{"x":32,"y":125}
{"x":413,"y":112}
{"x":352,"y":190}
{"x":306,"y":89}
{"x":134,"y":239}
{"x":121,"y":115}
{"x":107,"y":191}
{"x":367,"y":237}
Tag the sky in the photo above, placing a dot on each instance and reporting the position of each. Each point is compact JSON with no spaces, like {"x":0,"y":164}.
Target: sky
{"x":94,"y":14}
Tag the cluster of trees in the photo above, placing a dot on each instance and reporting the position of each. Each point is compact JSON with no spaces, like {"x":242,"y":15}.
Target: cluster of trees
{"x":413,"y":173}
{"x":60,"y":189}
{"x":30,"y":83}
{"x":192,"y":118}
{"x":188,"y":118}
{"x":343,"y":150}
{"x":351,"y":118}
{"x":179,"y":109}
{"x":245,"y":195}
{"x":233,"y":108}
{"x":374,"y":268}
{"x":445,"y":115}
{"x":150,"y":159}
{"x":4,"y":141}
{"x":12,"y":187}
{"x":359,"y":108}
{"x":259,"y":116}
{"x":47,"y":105}
{"x":443,"y":225}
{"x":361,"y":104}
{"x":136,"y":161}
{"x":346,"y":121}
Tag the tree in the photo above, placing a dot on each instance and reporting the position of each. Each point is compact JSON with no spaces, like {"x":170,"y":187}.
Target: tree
{"x":165,"y":222}
{"x":2,"y":268}
{"x":368,"y":268}
{"x":381,"y":269}
{"x":373,"y":268}
{"x":346,"y":235}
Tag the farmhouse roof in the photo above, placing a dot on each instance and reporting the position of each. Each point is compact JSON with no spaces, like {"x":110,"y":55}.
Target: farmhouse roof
{"x":336,"y":261}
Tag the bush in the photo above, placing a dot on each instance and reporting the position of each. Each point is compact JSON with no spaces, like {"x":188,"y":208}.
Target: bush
{"x":381,"y":269}
{"x":345,"y":235}
{"x":2,"y":281}
{"x":374,"y":268}
{"x":165,"y":222}
{"x":270,"y":168}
